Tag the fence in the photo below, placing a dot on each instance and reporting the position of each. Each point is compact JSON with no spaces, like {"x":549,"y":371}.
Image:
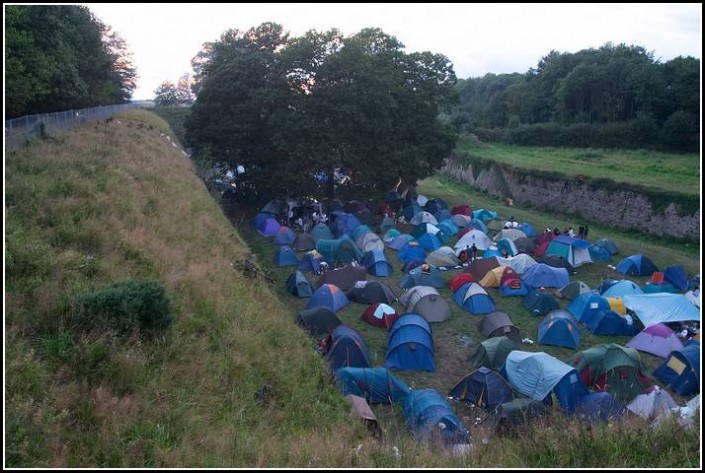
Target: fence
{"x":20,"y":131}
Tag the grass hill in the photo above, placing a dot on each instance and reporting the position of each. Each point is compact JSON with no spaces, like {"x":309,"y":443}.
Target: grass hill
{"x":231,"y":381}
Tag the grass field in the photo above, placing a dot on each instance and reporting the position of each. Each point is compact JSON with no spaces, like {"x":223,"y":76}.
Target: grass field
{"x":654,"y":170}
{"x":233,"y":383}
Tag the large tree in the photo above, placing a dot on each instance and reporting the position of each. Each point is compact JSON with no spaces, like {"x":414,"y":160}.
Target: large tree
{"x":59,"y":57}
{"x":291,"y":108}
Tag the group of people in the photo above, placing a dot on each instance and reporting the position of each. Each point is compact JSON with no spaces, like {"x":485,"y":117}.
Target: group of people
{"x":568,"y":231}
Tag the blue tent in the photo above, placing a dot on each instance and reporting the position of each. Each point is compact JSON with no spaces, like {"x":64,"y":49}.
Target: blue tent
{"x":513,"y":287}
{"x":347,"y":348}
{"x":400,"y":241}
{"x":622,"y":288}
{"x":344,"y":223}
{"x":410,"y":345}
{"x":360,"y":231}
{"x":539,"y":303}
{"x":311,"y":262}
{"x":609,"y":322}
{"x":285,"y":256}
{"x":484,"y":215}
{"x":680,"y":371}
{"x":321,"y":231}
{"x":424,"y":275}
{"x":600,"y":253}
{"x":478,"y":224}
{"x":536,"y":375}
{"x":527,"y":229}
{"x":435,"y":205}
{"x":559,"y":328}
{"x":298,"y":285}
{"x":342,"y":249}
{"x":410,"y":251}
{"x":608,"y":244}
{"x":376,"y":385}
{"x":543,"y":275}
{"x":636,"y":265}
{"x":664,"y":307}
{"x":448,"y":227}
{"x":474,"y":298}
{"x":376,"y":263}
{"x":587,"y":306}
{"x":429,"y":416}
{"x":484,"y":388}
{"x":260,"y":218}
{"x":328,"y":295}
{"x":677,"y":276}
{"x":574,"y":250}
{"x":269,"y":227}
{"x":600,"y":406}
{"x":430,"y":241}
{"x":410,"y":210}
{"x":284,"y":236}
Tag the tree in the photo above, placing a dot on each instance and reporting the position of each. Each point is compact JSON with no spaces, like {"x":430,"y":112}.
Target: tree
{"x":166,"y":95}
{"x":60,"y":57}
{"x":184,"y":93}
{"x":291,"y":108}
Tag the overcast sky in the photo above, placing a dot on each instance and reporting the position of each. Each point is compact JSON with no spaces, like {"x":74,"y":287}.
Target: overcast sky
{"x":477,"y":38}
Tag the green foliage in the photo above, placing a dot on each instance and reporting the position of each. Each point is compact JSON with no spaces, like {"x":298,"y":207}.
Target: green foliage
{"x":166,"y":95}
{"x":60,"y":57}
{"x":614,"y":96}
{"x":126,"y":306}
{"x":290,"y":108}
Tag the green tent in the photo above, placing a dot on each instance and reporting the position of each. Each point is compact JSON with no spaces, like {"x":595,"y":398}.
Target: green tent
{"x":492,"y":352}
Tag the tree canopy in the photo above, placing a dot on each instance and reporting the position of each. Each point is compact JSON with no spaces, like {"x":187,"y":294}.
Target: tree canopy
{"x":613,"y":95}
{"x":59,"y":57}
{"x":289,"y":109}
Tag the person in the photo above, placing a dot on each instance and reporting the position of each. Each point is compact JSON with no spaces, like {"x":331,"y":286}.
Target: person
{"x":464,"y":255}
{"x":426,"y":268}
{"x":505,"y":253}
{"x":586,"y":231}
{"x":473,"y":252}
{"x":581,"y":232}
{"x":556,"y":231}
{"x":571,"y":233}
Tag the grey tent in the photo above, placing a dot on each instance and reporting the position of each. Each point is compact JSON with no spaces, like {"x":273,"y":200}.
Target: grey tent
{"x":304,"y":242}
{"x":345,"y":277}
{"x":497,"y":324}
{"x":369,"y":292}
{"x":427,"y":302}
{"x":319,"y":320}
{"x":443,"y":257}
{"x":574,"y":289}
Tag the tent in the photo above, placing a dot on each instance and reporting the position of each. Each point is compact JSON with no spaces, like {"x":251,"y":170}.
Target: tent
{"x":519,"y":263}
{"x":284,"y":236}
{"x":298,"y":285}
{"x":369,"y":292}
{"x":499,"y":324}
{"x":376,"y":385}
{"x":484,"y":388}
{"x":479,"y":267}
{"x":285,"y":256}
{"x":443,"y":257}
{"x":599,"y":253}
{"x":510,"y":234}
{"x":559,"y":328}
{"x":608,"y":244}
{"x":435,"y":205}
{"x":461,"y":221}
{"x":321,"y":231}
{"x":680,"y":371}
{"x":664,"y":307}
{"x":429,"y":241}
{"x":573,"y":250}
{"x":400,"y":241}
{"x":529,"y":230}
{"x":429,"y":416}
{"x":539,"y":303}
{"x":423,"y":228}
{"x":543,"y":275}
{"x":342,"y":250}
{"x":260,"y":218}
{"x":427,"y":302}
{"x":600,"y":406}
{"x":390,"y":235}
{"x":495,"y":277}
{"x":462,"y":209}
{"x":380,"y":314}
{"x":586,"y":307}
{"x":304,"y":242}
{"x":622,"y":288}
{"x":612,"y":367}
{"x":317,"y":320}
{"x":513,"y":287}
{"x":423,"y":217}
{"x":476,"y":237}
{"x":275,"y":206}
{"x":424,"y":275}
{"x":556,"y":261}
{"x":609,"y":322}
{"x":636,"y":265}
{"x":409,"y":265}
{"x":344,"y":223}
{"x":370,"y":242}
{"x":311,"y":262}
{"x":537,"y":375}
{"x":376,"y":263}
{"x":345,"y":277}
{"x":346,"y":347}
{"x":677,"y":276}
{"x":574,"y":289}
{"x":474,"y":298}
{"x":328,"y":295}
{"x":653,"y":404}
{"x":484,"y":215}
{"x":386,"y":225}
{"x":411,"y":251}
{"x":359,"y":232}
{"x":269,"y":227}
{"x":492,"y":352}
{"x":520,"y":410}
{"x":448,"y":227}
{"x":410,"y":344}
{"x":525,"y":245}
{"x":459,"y":280}
{"x":656,"y":339}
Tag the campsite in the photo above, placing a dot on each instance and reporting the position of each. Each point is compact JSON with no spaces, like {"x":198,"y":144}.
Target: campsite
{"x":562,"y":310}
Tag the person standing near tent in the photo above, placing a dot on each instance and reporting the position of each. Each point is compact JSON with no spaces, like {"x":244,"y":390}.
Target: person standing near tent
{"x":586,"y":231}
{"x":464,"y":255}
{"x":473,"y":252}
{"x":581,"y":232}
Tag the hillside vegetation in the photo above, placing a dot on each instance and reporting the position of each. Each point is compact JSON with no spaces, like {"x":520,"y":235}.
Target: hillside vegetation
{"x":231,"y":382}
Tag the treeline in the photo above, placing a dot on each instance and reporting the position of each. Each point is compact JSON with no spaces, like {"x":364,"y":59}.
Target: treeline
{"x":293,"y":110}
{"x":60,"y":57}
{"x":616,"y":96}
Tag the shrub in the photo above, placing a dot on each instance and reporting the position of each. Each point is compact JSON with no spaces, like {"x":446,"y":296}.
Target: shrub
{"x":126,"y":306}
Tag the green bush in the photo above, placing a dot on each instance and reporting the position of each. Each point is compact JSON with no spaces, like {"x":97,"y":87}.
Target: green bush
{"x":126,"y":306}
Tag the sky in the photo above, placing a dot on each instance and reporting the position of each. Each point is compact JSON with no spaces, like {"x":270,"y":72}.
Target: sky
{"x":477,"y":38}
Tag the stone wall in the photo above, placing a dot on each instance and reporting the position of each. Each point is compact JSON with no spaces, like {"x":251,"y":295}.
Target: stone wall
{"x":626,"y":210}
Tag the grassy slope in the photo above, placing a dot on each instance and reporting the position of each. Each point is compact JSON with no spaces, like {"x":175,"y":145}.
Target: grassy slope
{"x":116,"y":200}
{"x":664,"y":171}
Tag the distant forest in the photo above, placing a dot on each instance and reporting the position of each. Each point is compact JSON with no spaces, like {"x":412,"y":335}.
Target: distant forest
{"x":60,"y":57}
{"x":617,"y":96}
